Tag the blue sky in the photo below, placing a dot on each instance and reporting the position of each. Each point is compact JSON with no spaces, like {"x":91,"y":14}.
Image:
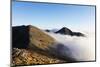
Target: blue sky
{"x":51,"y":16}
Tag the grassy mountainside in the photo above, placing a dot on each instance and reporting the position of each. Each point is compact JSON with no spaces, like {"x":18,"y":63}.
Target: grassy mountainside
{"x":39,"y":38}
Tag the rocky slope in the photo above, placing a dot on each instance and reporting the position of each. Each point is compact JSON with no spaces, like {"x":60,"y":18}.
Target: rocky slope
{"x":29,"y":57}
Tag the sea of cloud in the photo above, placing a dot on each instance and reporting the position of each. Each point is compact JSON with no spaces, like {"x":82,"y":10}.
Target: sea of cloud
{"x":79,"y":48}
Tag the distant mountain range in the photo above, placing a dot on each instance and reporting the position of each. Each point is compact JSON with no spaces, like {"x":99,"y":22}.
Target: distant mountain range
{"x":66,"y":31}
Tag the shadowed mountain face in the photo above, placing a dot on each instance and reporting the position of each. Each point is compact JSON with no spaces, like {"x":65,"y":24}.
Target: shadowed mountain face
{"x":67,"y":31}
{"x":20,"y":36}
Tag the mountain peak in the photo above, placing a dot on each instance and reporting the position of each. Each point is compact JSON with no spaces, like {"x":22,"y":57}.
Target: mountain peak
{"x":64,"y":30}
{"x":67,"y":31}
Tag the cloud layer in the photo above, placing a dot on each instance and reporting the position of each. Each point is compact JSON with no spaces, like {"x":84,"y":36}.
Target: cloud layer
{"x":78,"y":48}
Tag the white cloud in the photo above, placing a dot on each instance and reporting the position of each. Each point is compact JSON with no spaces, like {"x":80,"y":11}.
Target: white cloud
{"x":80,"y":48}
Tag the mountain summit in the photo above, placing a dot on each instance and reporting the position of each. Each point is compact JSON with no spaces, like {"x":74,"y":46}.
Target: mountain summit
{"x":67,"y":31}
